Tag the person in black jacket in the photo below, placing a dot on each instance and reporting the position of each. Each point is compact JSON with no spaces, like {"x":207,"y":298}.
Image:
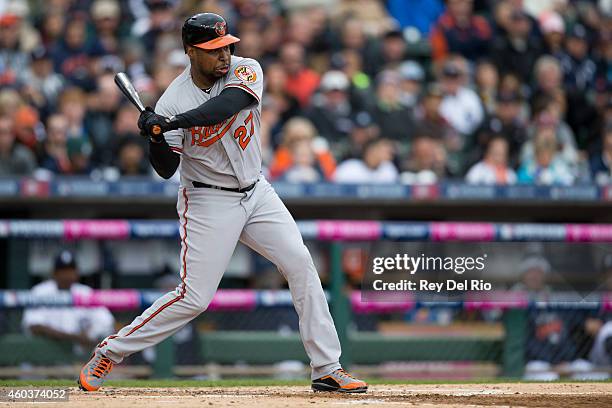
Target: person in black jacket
{"x":517,"y":51}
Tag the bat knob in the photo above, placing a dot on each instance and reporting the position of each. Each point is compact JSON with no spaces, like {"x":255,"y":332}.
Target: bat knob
{"x":156,"y":129}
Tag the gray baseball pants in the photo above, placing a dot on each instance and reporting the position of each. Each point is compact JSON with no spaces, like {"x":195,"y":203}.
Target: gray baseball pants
{"x":211,"y":224}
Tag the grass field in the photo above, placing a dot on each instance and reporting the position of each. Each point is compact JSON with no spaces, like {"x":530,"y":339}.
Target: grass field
{"x":275,"y":393}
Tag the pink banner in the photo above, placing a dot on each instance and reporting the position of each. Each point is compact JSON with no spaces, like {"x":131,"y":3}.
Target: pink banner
{"x":234,"y":299}
{"x":589,"y":233}
{"x":349,"y":230}
{"x":385,"y":304}
{"x":96,"y":229}
{"x":495,"y":300}
{"x":462,"y":231}
{"x":114,"y":299}
{"x":606,"y":302}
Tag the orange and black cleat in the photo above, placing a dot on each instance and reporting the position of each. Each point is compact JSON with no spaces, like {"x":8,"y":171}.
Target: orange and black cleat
{"x":339,"y":381}
{"x":94,"y":372}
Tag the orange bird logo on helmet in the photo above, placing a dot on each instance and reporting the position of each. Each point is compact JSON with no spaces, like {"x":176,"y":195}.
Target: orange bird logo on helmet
{"x":220,"y":28}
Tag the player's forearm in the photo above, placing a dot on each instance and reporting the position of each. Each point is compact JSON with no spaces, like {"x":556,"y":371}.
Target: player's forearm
{"x":216,"y":110}
{"x":163,"y":159}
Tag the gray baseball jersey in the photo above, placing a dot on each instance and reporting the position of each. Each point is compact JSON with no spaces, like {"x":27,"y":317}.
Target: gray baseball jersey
{"x":227,"y":154}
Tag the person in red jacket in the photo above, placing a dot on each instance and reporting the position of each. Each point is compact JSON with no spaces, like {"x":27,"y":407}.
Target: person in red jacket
{"x":301,"y":80}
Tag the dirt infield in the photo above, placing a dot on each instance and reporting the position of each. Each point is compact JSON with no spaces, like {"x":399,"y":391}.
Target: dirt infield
{"x":443,"y":395}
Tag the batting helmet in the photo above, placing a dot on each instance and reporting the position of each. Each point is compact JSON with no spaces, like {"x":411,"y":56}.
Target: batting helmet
{"x":207,"y":31}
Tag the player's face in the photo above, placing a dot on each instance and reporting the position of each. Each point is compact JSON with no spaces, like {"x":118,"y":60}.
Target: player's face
{"x":211,"y":63}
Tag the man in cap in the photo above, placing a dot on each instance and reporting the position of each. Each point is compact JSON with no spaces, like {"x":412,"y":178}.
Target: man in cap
{"x":79,"y":325}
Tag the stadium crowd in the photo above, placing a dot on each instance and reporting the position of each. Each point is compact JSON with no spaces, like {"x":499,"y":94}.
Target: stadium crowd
{"x":356,"y":91}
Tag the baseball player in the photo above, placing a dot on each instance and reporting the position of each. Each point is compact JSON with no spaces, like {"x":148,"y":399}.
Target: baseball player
{"x":207,"y":125}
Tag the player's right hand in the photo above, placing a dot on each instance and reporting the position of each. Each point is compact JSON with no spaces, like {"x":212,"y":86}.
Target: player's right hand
{"x":152,"y":125}
{"x":144,"y":115}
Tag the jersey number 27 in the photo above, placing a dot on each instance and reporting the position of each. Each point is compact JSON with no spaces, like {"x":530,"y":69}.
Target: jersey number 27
{"x":242,"y":134}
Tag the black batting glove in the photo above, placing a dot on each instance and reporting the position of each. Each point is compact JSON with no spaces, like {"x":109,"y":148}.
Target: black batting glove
{"x":155,"y":125}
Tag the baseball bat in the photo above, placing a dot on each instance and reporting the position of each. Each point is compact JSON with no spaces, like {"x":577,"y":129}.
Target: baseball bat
{"x":125,"y":86}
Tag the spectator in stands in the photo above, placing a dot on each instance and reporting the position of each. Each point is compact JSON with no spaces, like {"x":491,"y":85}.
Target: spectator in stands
{"x":427,"y":161}
{"x":15,"y":159}
{"x":375,"y":166}
{"x":79,"y":325}
{"x":286,"y":105}
{"x":547,"y":166}
{"x":54,"y":154}
{"x":578,"y":67}
{"x":14,"y":58}
{"x":547,"y":112}
{"x":41,"y":85}
{"x":301,"y":28}
{"x":506,"y":121}
{"x":131,"y":157}
{"x":459,"y":31}
{"x":331,"y":110}
{"x":164,"y":73}
{"x":363,"y":129}
{"x":412,"y":76}
{"x":516,"y":51}
{"x":301,"y":81}
{"x":300,"y":137}
{"x":429,"y":119}
{"x":351,"y":63}
{"x":354,"y":38}
{"x":391,"y":53}
{"x":602,"y":109}
{"x":582,"y":117}
{"x":493,"y":168}
{"x":486,"y":80}
{"x":548,"y":75}
{"x":250,"y":45}
{"x":305,"y":168}
{"x":27,"y":126}
{"x":272,"y":39}
{"x":553,"y":30}
{"x":396,"y":121}
{"x":460,"y":105}
{"x":160,"y":20}
{"x":10,"y":102}
{"x":106,"y":16}
{"x":103,"y":105}
{"x":601,"y":161}
{"x":53,"y":21}
{"x":79,"y":154}
{"x":74,"y":55}
{"x":371,"y":14}
{"x":72,"y":105}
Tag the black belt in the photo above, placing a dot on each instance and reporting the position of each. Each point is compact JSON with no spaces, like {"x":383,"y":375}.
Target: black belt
{"x":197,"y":184}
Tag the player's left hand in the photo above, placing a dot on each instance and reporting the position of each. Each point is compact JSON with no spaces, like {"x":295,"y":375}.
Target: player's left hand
{"x":153,"y":124}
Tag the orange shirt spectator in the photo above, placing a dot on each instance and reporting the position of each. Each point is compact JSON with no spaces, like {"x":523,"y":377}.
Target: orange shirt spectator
{"x":301,"y":80}
{"x":295,"y":131}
